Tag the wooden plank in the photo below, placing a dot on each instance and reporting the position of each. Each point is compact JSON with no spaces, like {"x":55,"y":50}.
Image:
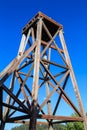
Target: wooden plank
{"x":37,"y":62}
{"x":61,"y":89}
{"x":52,"y":92}
{"x":46,"y":29}
{"x":59,"y":98}
{"x":55,"y":64}
{"x":8,"y":99}
{"x":35,"y":18}
{"x":60,"y":118}
{"x":21,"y":48}
{"x":1,"y":98}
{"x":16,"y":63}
{"x":35,"y":85}
{"x":22,"y":58}
{"x":49,"y":107}
{"x":23,"y":43}
{"x":12,"y":119}
{"x":25,"y":64}
{"x":28,"y":122}
{"x":59,"y":92}
{"x":16,"y":100}
{"x":51,"y":46}
{"x":33,"y":36}
{"x":5,"y":70}
{"x":76,"y":90}
{"x":23,"y":84}
{"x":13,"y":107}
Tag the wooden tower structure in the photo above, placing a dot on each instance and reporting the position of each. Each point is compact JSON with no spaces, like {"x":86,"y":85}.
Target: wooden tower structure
{"x":34,"y":84}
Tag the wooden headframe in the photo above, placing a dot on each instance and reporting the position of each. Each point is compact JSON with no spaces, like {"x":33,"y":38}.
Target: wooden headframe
{"x":34,"y":82}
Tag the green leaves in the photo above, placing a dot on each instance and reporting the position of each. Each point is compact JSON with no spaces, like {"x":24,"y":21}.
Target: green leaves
{"x":41,"y":127}
{"x":75,"y":126}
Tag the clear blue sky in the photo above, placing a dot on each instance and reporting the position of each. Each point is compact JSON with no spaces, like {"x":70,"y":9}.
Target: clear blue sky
{"x":72,"y":14}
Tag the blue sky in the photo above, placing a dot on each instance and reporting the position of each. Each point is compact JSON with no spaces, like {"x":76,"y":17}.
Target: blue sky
{"x":72,"y":14}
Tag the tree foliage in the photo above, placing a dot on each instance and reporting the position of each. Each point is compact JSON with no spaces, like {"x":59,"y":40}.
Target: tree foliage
{"x":75,"y":125}
{"x":68,"y":126}
{"x":40,"y":127}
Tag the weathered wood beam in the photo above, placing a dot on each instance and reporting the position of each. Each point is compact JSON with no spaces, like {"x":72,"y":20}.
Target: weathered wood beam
{"x":35,"y":86}
{"x":55,"y":64}
{"x":24,"y":65}
{"x":46,"y":29}
{"x":76,"y":90}
{"x":61,"y":89}
{"x":1,"y":98}
{"x":12,"y":119}
{"x":59,"y":98}
{"x":14,"y":97}
{"x":52,"y":92}
{"x":61,"y":118}
{"x":23,"y":43}
{"x":13,"y":107}
{"x":16,"y":63}
{"x":58,"y":91}
{"x":51,"y":46}
{"x":27,"y":122}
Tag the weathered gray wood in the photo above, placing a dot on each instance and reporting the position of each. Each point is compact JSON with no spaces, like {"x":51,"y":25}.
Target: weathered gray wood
{"x":48,"y":89}
{"x":76,"y":90}
{"x":5,"y":70}
{"x":37,"y":62}
{"x":35,"y":86}
{"x":54,"y":90}
{"x":79,"y":113}
{"x":23,"y":43}
{"x":6,"y":109}
{"x":39,"y":34}
{"x":1,"y":98}
{"x":59,"y":51}
{"x":14,"y":97}
{"x":50,"y":42}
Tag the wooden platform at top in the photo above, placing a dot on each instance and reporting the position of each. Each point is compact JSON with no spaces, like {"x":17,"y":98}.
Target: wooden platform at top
{"x":52,"y":25}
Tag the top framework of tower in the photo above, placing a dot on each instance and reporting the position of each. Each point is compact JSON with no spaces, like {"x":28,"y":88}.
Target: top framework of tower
{"x":52,"y":25}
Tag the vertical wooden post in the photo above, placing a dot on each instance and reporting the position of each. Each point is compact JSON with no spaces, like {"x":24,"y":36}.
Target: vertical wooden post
{"x":48,"y":90}
{"x":0,"y":107}
{"x":0,"y":103}
{"x":73,"y":78}
{"x":22,"y":44}
{"x":2,"y":125}
{"x":36,"y":77}
{"x":49,"y":105}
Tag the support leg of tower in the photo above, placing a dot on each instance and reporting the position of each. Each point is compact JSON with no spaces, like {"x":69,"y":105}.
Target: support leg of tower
{"x":33,"y":117}
{"x":48,"y":91}
{"x":73,"y":79}
{"x":35,"y":87}
{"x":2,"y":125}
